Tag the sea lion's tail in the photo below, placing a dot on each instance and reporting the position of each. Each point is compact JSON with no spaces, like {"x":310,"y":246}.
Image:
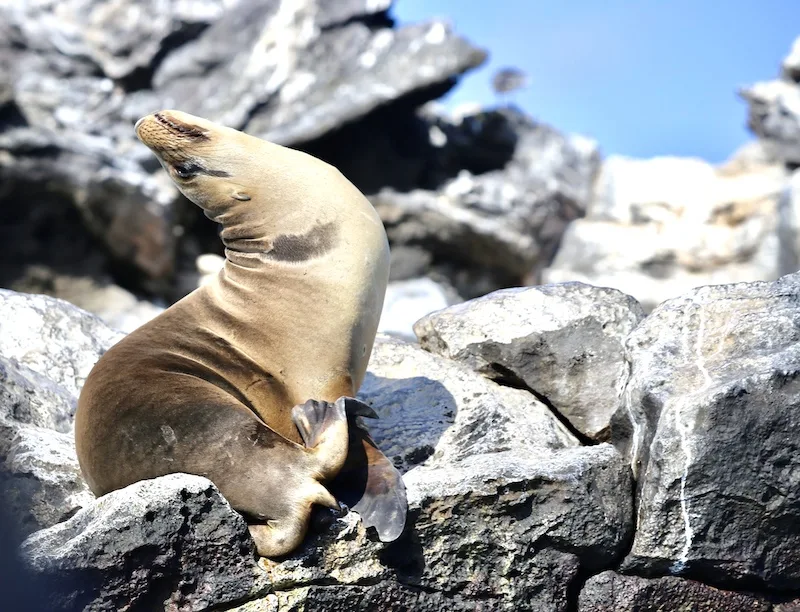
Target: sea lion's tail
{"x":369,"y":483}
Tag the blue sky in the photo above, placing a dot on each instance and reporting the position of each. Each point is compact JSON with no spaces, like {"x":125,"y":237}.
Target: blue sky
{"x":642,"y":77}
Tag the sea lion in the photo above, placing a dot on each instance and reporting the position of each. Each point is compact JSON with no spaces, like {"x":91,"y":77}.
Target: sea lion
{"x":249,"y":380}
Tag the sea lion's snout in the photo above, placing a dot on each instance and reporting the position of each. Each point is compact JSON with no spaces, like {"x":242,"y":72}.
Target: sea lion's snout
{"x":170,"y":129}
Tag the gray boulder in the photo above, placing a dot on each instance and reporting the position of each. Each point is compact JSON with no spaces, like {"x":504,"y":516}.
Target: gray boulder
{"x":610,"y":592}
{"x":299,"y":70}
{"x":563,"y":342}
{"x":431,"y":408}
{"x":709,"y":424}
{"x":169,"y":543}
{"x":29,"y":398}
{"x":790,"y":67}
{"x":774,"y":116}
{"x":118,"y":308}
{"x":80,"y":72}
{"x":47,"y":348}
{"x":40,"y":480}
{"x":504,"y":508}
{"x":52,"y":338}
{"x":130,"y":211}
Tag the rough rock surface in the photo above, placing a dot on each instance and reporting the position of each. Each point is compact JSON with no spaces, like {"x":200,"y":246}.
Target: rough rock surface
{"x":506,"y":220}
{"x":52,"y":338}
{"x":29,"y":398}
{"x":429,"y":406}
{"x":610,"y":592}
{"x":504,"y":508}
{"x":657,"y":228}
{"x":171,"y":543}
{"x":47,"y":348}
{"x":774,"y":109}
{"x":564,"y":342}
{"x":40,"y":480}
{"x":290,"y":58}
{"x":712,"y":412}
{"x":117,"y":307}
{"x":129,"y":210}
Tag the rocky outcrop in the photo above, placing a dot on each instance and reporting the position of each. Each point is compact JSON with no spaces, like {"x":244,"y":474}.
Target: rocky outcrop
{"x":492,"y":530}
{"x":501,"y":222}
{"x":431,"y":408}
{"x":40,"y":480}
{"x":507,"y":509}
{"x":498,"y":418}
{"x":505,"y":505}
{"x":563,"y":342}
{"x":118,"y":308}
{"x":53,"y":339}
{"x":475,"y":201}
{"x":711,"y":413}
{"x":657,"y":228}
{"x":80,"y":73}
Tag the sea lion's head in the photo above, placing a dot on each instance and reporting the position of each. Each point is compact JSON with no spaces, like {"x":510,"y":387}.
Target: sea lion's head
{"x":247,"y":184}
{"x":211,"y":164}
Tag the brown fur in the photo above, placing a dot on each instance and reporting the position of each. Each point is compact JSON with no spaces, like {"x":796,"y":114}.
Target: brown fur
{"x":209,"y":387}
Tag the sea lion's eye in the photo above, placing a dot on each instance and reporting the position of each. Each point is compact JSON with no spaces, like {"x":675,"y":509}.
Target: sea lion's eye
{"x":186,"y":170}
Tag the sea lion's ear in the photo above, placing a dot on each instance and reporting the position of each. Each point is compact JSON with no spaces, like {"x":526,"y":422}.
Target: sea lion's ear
{"x":241,"y":196}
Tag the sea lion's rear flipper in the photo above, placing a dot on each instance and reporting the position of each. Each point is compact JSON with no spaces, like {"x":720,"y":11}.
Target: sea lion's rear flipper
{"x":369,"y":483}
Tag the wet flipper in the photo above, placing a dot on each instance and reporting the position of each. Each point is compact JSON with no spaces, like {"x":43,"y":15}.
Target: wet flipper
{"x":369,"y":483}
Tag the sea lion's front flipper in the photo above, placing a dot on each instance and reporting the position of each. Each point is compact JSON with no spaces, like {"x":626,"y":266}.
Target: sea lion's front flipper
{"x":369,"y":483}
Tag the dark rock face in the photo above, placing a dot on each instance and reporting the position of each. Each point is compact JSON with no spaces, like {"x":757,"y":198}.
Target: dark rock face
{"x":712,"y":411}
{"x":507,"y":511}
{"x":171,"y":543}
{"x":610,"y":592}
{"x":40,"y":480}
{"x":479,"y":202}
{"x":498,"y":421}
{"x":303,"y":69}
{"x":490,"y":532}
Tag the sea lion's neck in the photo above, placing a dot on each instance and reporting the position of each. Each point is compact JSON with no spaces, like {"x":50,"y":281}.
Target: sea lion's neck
{"x":292,"y":237}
